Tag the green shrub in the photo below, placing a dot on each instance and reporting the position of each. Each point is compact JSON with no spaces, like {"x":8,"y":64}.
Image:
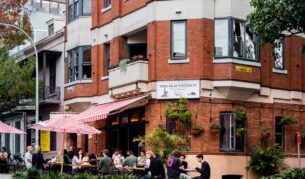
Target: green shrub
{"x":295,"y":173}
{"x":33,"y":173}
{"x":266,"y":161}
{"x":18,"y":175}
{"x":178,"y":111}
{"x":125,"y":176}
{"x":288,"y":120}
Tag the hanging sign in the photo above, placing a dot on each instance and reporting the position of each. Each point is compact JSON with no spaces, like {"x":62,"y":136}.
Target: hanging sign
{"x":45,"y":141}
{"x":178,"y":89}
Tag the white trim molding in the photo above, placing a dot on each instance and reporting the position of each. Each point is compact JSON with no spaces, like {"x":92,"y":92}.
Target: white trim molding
{"x":285,"y":72}
{"x":77,"y":82}
{"x":237,"y":61}
{"x":170,"y":61}
{"x":106,"y":9}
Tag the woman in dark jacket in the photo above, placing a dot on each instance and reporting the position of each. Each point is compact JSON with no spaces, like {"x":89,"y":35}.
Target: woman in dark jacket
{"x":156,"y":167}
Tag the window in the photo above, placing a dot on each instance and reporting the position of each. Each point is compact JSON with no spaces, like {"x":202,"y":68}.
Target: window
{"x":229,"y":140}
{"x":17,"y":138}
{"x":51,"y":29}
{"x":53,"y":141}
{"x":79,"y":8}
{"x":233,"y":38}
{"x":178,"y":40}
{"x":278,"y":53}
{"x":279,"y":132}
{"x":107,"y":3}
{"x":79,"y":63}
{"x":107,"y":59}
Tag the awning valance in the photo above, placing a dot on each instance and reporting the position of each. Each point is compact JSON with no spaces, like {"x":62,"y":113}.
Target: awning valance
{"x":102,"y":111}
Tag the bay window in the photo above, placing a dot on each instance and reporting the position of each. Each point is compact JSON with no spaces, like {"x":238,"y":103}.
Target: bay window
{"x":234,"y":39}
{"x":107,"y":3}
{"x":79,"y":63}
{"x":78,"y":8}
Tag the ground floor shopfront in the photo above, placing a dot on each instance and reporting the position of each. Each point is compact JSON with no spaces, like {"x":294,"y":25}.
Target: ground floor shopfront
{"x":224,"y":150}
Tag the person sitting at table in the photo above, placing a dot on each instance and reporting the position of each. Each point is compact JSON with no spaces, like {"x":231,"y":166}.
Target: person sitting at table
{"x":141,"y":158}
{"x":66,"y":157}
{"x":85,"y":159}
{"x":184,"y":164}
{"x":174,"y":170}
{"x":131,"y":160}
{"x":92,"y":159}
{"x":149,"y":156}
{"x":71,"y":152}
{"x":105,"y":163}
{"x":76,"y":160}
{"x":118,"y":160}
{"x":38,"y":161}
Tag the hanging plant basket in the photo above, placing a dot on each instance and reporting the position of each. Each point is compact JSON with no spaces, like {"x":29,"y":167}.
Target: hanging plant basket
{"x":178,"y":111}
{"x":197,"y":130}
{"x":214,"y":128}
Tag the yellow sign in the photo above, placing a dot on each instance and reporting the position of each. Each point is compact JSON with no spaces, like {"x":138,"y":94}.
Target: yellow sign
{"x":243,"y":69}
{"x":45,"y":137}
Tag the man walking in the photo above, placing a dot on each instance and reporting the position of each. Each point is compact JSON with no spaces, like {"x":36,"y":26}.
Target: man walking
{"x":205,"y":170}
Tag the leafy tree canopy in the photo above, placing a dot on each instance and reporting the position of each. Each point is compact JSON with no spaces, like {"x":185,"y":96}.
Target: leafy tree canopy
{"x":11,"y":12}
{"x":273,"y":18}
{"x":16,"y":80}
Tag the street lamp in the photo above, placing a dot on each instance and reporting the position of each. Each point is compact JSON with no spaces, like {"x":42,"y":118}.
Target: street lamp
{"x":37,"y":81}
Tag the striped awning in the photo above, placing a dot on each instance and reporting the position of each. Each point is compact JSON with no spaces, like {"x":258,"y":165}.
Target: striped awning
{"x":102,"y":111}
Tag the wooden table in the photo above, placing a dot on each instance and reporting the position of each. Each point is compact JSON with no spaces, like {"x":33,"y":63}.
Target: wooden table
{"x":135,"y":168}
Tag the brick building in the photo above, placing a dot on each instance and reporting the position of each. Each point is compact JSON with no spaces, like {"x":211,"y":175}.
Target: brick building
{"x":203,"y":50}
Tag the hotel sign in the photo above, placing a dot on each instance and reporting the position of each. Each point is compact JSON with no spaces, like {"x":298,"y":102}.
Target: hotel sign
{"x":178,"y":89}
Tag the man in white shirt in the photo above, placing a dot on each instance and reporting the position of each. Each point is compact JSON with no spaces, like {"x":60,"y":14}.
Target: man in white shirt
{"x":28,"y":157}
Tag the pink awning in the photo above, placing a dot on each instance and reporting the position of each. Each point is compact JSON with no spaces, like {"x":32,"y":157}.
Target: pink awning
{"x":102,"y":111}
{"x":4,"y":128}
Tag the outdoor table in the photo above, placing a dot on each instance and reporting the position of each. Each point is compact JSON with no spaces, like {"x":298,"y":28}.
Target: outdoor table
{"x":136,"y":170}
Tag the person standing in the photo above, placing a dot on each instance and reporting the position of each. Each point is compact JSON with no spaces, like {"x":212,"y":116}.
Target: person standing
{"x":28,"y":157}
{"x":105,"y":163}
{"x":131,"y":160}
{"x":37,"y":160}
{"x":205,"y":170}
{"x":156,"y":167}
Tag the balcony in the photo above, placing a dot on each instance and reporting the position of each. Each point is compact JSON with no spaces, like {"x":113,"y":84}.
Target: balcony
{"x":49,"y":95}
{"x":129,"y":78}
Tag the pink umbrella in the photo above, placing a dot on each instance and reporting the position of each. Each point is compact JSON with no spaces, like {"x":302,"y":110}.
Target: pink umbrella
{"x":4,"y":128}
{"x":65,"y":124}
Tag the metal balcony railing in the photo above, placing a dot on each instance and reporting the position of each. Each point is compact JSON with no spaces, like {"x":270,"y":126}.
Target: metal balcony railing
{"x":51,"y":94}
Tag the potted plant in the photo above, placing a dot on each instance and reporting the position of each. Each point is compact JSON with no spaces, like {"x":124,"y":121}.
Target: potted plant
{"x":241,"y":114}
{"x":288,"y":120}
{"x":240,"y":131}
{"x":266,"y":132}
{"x":214,"y":127}
{"x":197,"y":129}
{"x":178,"y":111}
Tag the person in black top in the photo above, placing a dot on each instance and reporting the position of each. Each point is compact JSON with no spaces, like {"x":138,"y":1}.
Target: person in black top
{"x":71,"y":152}
{"x":37,"y":160}
{"x":205,"y":170}
{"x":184,"y":164}
{"x":173,"y":165}
{"x":156,"y":167}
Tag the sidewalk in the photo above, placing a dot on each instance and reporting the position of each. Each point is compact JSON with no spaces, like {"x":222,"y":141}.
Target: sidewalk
{"x":5,"y":176}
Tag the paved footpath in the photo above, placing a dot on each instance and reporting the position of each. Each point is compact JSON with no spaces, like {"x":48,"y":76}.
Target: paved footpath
{"x":5,"y":176}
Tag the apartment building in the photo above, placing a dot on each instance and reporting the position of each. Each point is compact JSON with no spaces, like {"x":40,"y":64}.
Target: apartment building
{"x":131,"y":57}
{"x":47,"y":20}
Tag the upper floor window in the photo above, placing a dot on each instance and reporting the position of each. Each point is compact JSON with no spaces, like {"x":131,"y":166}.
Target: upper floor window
{"x":230,"y":140}
{"x":79,"y":63}
{"x":107,"y":3}
{"x":51,"y":29}
{"x":178,"y":40}
{"x":106,"y":59}
{"x":279,"y":132}
{"x":278,"y":53}
{"x":79,"y":8}
{"x":233,"y":38}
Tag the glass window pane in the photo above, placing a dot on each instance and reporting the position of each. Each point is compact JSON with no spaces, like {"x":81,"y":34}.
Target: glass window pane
{"x":71,"y":12}
{"x":251,"y":43}
{"x":238,"y":38}
{"x":179,"y":39}
{"x":86,"y":71}
{"x":76,"y":8}
{"x":221,"y":38}
{"x":107,"y":59}
{"x":228,"y":138}
{"x":87,"y":55}
{"x":17,"y":138}
{"x":86,"y":6}
{"x":75,"y":60}
{"x":278,"y":54}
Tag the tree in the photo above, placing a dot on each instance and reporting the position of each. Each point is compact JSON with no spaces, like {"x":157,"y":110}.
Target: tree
{"x":16,"y":80}
{"x":272,"y":19}
{"x":11,"y":12}
{"x":160,"y":142}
